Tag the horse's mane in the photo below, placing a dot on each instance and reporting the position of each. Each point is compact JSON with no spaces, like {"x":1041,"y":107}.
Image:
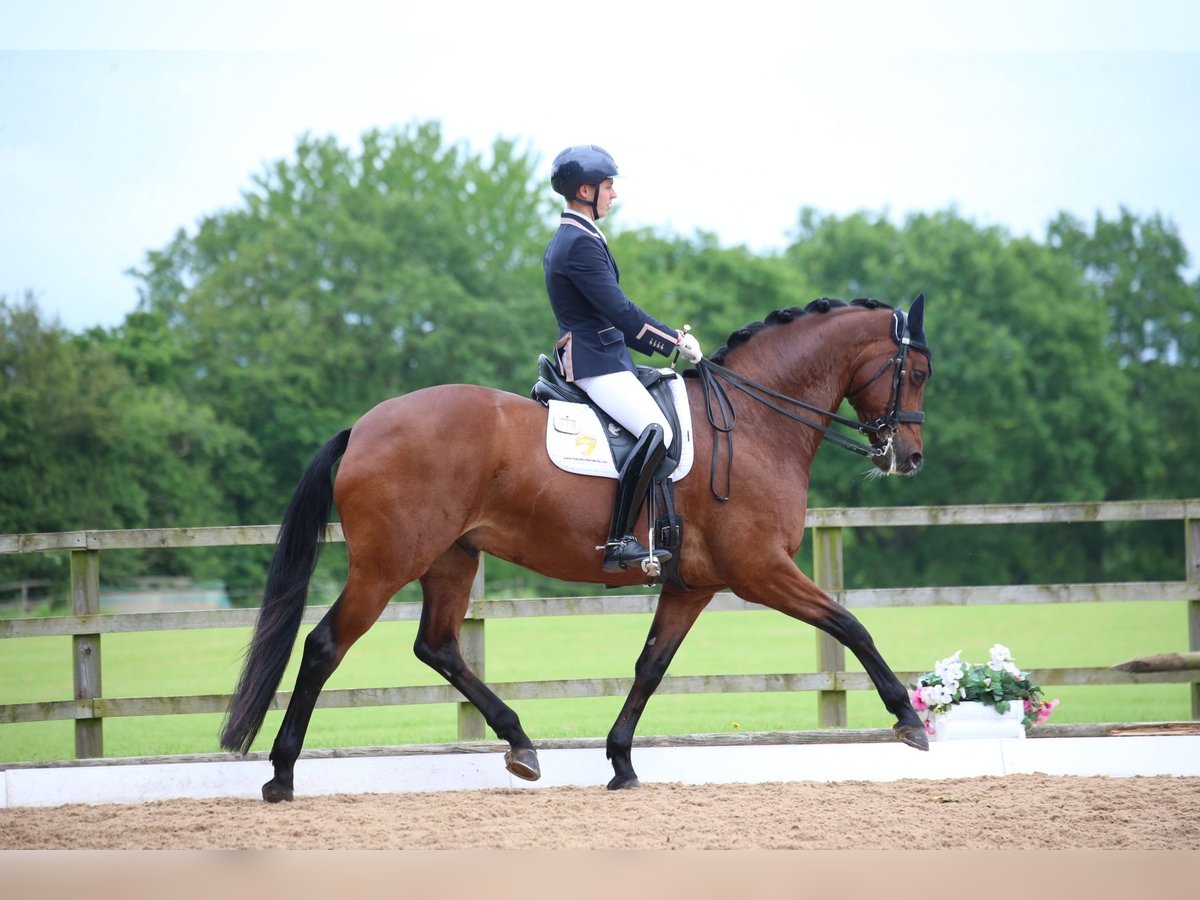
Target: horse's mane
{"x":783,"y":316}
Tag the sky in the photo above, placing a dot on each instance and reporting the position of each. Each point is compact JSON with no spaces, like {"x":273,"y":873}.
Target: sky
{"x":125,"y":122}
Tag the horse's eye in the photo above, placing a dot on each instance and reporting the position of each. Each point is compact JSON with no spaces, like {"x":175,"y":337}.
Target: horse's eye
{"x":919,"y":376}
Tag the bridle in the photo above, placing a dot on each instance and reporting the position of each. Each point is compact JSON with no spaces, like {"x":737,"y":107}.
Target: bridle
{"x":879,"y":431}
{"x":884,"y":427}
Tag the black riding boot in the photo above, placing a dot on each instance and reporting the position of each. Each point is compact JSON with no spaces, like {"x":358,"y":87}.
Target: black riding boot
{"x":623,"y":550}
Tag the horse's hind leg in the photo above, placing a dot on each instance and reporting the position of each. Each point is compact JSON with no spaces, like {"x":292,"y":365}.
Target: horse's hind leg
{"x":447,"y":593}
{"x":324,"y":648}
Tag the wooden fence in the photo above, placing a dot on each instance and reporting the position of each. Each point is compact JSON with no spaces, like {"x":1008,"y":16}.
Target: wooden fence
{"x":86,"y":626}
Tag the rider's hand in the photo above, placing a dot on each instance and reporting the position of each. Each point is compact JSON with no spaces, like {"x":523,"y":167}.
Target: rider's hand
{"x":690,"y":348}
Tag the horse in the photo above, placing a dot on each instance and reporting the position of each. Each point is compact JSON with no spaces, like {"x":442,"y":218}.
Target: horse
{"x":427,"y":481}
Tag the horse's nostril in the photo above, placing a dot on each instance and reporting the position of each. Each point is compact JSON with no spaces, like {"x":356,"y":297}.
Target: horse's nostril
{"x":914,"y":461}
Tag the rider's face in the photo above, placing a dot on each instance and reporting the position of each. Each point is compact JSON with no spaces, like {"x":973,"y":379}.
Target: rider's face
{"x":605,"y":193}
{"x":608,"y":193}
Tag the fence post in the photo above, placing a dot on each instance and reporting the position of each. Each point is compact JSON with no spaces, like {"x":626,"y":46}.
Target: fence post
{"x":85,"y":600}
{"x":829,"y":574}
{"x":471,"y":725}
{"x":1192,"y":544}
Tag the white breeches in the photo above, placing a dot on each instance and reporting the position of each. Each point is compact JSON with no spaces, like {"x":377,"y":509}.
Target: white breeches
{"x":624,"y":398}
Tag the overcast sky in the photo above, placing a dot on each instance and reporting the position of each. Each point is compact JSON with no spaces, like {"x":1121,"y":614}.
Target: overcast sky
{"x":123,"y":122}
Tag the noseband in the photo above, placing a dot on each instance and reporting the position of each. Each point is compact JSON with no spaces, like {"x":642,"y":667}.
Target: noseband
{"x":881,"y":430}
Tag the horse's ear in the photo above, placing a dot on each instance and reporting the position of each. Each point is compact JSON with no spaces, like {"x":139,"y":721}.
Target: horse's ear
{"x":916,"y":315}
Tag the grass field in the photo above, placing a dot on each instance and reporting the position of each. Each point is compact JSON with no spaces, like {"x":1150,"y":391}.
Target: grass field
{"x":207,"y":661}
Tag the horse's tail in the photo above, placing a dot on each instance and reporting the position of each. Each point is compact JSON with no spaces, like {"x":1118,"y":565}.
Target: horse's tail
{"x":301,"y":536}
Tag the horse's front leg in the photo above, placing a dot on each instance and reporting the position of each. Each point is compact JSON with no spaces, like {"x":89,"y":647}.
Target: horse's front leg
{"x":842,"y":625}
{"x":673,"y":618}
{"x":784,"y":587}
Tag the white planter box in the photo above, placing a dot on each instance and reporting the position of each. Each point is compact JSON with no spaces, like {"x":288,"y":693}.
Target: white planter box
{"x":974,"y":720}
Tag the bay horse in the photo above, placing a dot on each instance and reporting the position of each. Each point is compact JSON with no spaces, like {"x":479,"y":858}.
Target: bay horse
{"x":429,"y":480}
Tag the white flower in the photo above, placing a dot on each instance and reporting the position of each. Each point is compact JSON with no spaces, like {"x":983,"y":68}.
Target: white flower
{"x":999,"y":655}
{"x":950,"y":669}
{"x":1002,"y":661}
{"x":937,"y":695}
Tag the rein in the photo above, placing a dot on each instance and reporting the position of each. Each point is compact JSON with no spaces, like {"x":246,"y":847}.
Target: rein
{"x":880,"y":429}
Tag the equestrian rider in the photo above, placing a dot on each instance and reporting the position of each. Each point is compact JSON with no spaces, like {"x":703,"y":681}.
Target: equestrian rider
{"x":597,"y":324}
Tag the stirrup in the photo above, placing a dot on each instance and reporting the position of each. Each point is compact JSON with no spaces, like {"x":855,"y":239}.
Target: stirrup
{"x":628,"y":552}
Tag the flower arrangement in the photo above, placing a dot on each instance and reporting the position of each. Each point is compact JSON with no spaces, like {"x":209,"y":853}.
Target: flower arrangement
{"x":998,"y":682}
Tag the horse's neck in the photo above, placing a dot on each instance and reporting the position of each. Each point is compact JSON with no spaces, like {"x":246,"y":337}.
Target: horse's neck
{"x":812,"y":363}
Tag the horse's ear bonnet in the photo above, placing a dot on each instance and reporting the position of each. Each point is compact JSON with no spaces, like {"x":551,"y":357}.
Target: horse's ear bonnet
{"x":912,"y":326}
{"x":916,"y":321}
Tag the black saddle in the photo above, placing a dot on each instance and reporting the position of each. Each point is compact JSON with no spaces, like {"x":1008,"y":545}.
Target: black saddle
{"x":551,"y":385}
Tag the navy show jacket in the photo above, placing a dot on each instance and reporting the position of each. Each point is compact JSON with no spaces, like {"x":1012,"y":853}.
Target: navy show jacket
{"x":597,"y":323}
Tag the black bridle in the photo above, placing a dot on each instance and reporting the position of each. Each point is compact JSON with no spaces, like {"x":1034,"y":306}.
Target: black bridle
{"x":879,"y":431}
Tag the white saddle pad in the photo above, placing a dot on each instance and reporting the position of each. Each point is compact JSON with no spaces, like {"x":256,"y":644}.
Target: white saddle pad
{"x":576,"y":441}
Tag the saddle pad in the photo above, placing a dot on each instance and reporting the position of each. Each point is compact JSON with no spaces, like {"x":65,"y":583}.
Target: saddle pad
{"x":576,"y":442}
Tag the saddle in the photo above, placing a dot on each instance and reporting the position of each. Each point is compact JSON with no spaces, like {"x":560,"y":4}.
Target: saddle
{"x":563,"y":399}
{"x":551,"y":385}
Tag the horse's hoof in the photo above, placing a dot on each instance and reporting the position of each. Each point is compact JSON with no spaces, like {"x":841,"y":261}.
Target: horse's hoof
{"x":523,"y":763}
{"x":620,"y":783}
{"x":273,"y":793}
{"x":913,"y":735}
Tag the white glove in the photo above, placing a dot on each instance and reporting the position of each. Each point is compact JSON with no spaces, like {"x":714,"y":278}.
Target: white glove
{"x":690,"y":348}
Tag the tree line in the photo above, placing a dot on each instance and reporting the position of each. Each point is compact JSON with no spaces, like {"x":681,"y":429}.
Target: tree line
{"x":1066,"y":368}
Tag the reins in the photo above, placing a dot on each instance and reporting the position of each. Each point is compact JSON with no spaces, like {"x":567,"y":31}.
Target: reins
{"x":880,"y":429}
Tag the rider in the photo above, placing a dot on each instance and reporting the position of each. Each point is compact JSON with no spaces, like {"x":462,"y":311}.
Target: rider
{"x":596,"y":322}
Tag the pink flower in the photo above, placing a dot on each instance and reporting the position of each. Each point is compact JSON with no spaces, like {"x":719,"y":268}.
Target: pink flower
{"x":1044,"y":713}
{"x":918,"y":701}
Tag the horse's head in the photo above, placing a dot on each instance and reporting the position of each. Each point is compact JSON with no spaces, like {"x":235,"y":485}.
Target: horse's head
{"x":804,"y":374}
{"x":887,"y":390}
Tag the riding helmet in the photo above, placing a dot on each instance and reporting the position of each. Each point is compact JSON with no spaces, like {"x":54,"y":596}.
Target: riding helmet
{"x":581,"y":164}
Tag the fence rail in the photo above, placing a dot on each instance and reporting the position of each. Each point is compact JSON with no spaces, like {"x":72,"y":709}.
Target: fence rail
{"x":89,"y":707}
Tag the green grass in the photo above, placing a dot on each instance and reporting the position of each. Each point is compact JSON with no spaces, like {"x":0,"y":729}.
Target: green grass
{"x":207,"y":661}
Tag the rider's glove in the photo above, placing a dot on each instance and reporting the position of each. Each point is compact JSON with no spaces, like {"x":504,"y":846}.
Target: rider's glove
{"x":690,"y":348}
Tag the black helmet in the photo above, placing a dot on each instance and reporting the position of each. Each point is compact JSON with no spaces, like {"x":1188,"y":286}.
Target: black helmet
{"x":581,"y":164}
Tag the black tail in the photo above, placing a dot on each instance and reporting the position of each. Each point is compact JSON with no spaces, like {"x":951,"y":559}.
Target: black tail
{"x":301,"y":536}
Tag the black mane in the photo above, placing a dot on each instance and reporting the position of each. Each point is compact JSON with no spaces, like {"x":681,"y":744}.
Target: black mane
{"x":783,"y":316}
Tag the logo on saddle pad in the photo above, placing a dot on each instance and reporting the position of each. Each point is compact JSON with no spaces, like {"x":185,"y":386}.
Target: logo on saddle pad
{"x":577,"y":441}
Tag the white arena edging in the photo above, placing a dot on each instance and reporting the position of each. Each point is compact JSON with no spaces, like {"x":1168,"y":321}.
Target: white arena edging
{"x":1119,"y":757}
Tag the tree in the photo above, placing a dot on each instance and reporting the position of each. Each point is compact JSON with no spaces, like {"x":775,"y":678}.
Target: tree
{"x":83,"y":446}
{"x":1025,"y":405}
{"x":695,"y":281}
{"x":349,"y":278}
{"x":1135,"y":271}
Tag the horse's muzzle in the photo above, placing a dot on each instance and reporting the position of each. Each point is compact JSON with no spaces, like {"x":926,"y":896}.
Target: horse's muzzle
{"x":900,"y":459}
